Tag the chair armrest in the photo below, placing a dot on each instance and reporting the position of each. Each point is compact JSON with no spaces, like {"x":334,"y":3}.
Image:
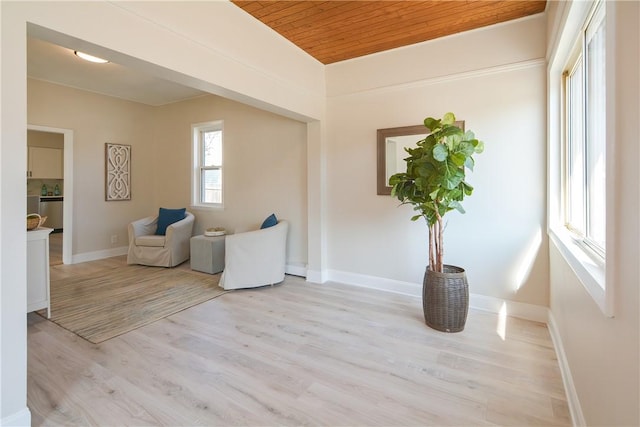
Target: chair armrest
{"x":142,"y":227}
{"x":266,"y":244}
{"x":180,"y":230}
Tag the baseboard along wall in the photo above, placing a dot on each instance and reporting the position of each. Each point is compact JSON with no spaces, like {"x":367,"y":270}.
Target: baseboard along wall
{"x":20,"y":418}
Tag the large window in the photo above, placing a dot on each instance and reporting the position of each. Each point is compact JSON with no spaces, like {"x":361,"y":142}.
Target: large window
{"x":585,"y":112}
{"x":207,"y":164}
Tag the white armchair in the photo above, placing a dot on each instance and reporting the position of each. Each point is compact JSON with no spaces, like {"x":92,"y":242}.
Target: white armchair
{"x":255,"y":258}
{"x":169,"y":250}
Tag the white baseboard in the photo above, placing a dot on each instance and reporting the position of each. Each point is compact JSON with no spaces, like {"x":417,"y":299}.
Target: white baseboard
{"x":19,"y":419}
{"x":96,"y":255}
{"x":316,"y":276}
{"x":577,"y":417}
{"x":374,"y":282}
{"x":479,"y":302}
{"x":536,"y":313}
{"x":296,"y":269}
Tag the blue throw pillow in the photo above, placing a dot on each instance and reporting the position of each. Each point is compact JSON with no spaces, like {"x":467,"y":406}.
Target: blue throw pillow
{"x":166,"y":217}
{"x":269,"y":222}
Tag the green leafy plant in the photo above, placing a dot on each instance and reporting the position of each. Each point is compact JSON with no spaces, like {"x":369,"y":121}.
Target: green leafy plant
{"x":434,"y":182}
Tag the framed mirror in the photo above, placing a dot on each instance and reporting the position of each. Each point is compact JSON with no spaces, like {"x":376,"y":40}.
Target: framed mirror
{"x":391,"y":151}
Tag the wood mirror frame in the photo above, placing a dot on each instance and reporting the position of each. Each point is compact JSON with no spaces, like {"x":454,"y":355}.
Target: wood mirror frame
{"x":419,"y":130}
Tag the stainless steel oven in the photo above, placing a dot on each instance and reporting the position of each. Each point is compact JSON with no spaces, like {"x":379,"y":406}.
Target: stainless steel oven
{"x":51,"y":207}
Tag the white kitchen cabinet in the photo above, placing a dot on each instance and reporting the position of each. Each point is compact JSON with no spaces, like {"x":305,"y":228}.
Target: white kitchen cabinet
{"x":38,"y":295}
{"x":45,"y":163}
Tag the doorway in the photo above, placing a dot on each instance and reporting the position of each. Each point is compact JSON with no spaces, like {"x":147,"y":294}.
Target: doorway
{"x":67,"y":205}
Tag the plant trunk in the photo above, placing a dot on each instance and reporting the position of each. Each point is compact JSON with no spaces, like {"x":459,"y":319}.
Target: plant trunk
{"x":436,"y":247}
{"x":432,"y":253}
{"x":440,"y":247}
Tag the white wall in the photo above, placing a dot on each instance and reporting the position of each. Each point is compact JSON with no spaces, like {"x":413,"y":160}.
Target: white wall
{"x":13,"y":237}
{"x":236,"y":52}
{"x":96,"y":120}
{"x":265,"y":167}
{"x":265,"y":163}
{"x":159,"y":41}
{"x":38,"y":138}
{"x":500,"y":94}
{"x":601,"y":354}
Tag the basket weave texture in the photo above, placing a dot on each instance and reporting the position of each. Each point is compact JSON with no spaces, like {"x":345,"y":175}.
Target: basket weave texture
{"x":445,"y":299}
{"x":35,"y":221}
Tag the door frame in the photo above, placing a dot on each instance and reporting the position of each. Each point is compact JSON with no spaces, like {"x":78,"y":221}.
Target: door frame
{"x":67,"y":203}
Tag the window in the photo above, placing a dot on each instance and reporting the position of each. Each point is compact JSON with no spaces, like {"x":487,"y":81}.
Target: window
{"x":585,"y":112}
{"x":207,"y":178}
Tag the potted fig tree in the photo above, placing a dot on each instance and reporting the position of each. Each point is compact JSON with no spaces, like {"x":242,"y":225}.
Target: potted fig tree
{"x":434,"y":184}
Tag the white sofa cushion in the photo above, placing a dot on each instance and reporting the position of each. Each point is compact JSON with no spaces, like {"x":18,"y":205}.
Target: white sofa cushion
{"x":150,"y":240}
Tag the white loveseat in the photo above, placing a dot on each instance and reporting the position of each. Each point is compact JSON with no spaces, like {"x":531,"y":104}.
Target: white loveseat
{"x":255,"y":258}
{"x":169,"y":250}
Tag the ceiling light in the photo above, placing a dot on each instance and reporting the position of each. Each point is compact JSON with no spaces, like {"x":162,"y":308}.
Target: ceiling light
{"x":90,"y":58}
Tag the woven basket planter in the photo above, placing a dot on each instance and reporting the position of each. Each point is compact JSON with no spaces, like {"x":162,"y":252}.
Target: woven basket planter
{"x":445,"y":299}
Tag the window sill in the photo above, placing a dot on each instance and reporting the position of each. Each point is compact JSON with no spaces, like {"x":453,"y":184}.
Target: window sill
{"x":206,"y":208}
{"x":590,"y":273}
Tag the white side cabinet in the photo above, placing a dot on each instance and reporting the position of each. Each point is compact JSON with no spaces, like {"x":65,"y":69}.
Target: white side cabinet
{"x":45,"y":163}
{"x":38,"y":270}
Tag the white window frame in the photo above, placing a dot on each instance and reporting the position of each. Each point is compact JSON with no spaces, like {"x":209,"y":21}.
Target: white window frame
{"x":580,"y":230}
{"x":197,"y":130}
{"x":588,"y":264}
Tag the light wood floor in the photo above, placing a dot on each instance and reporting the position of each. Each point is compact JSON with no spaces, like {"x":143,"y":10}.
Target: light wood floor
{"x":295,"y":354}
{"x":55,"y":248}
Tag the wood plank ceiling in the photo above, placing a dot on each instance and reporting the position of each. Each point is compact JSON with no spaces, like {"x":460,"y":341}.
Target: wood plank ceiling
{"x":337,"y":30}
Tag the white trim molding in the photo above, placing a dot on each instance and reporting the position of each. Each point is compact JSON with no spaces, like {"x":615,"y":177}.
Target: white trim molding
{"x":20,"y":418}
{"x":296,"y":269}
{"x":96,"y":255}
{"x":536,"y":313}
{"x":521,"y":310}
{"x":316,"y":276}
{"x":430,"y":81}
{"x":67,"y":206}
{"x":374,"y":282}
{"x":577,"y":417}
{"x":590,"y":274}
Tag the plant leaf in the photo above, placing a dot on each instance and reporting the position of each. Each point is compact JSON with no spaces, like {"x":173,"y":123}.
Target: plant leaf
{"x":469,"y":163}
{"x":458,"y":158}
{"x":453,"y":176}
{"x":466,"y":147}
{"x":448,"y":119}
{"x":440,"y":152}
{"x":451,"y":132}
{"x":432,"y":124}
{"x":467,"y":189}
{"x":457,"y":206}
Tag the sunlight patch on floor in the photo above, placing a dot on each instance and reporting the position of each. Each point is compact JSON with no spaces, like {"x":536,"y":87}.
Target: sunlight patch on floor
{"x":501,"y":329}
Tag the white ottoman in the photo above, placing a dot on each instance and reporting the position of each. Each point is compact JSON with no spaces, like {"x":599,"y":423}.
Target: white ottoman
{"x":207,"y":254}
